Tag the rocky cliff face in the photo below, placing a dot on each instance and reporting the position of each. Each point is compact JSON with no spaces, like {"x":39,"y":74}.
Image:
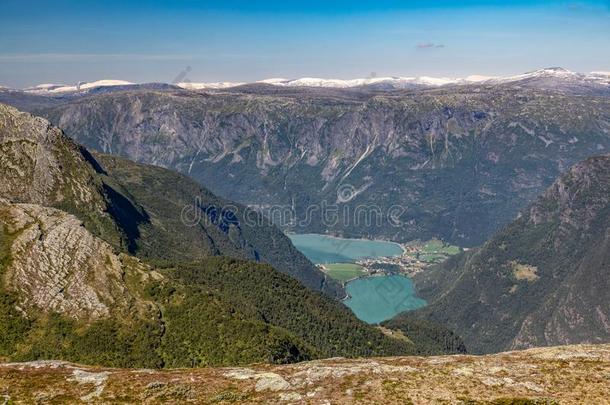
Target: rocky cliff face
{"x":42,"y":166}
{"x":58,"y":266}
{"x":443,"y":156}
{"x":542,"y":280}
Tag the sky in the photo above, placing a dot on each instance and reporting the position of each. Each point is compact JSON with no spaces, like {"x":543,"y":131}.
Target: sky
{"x":66,"y":41}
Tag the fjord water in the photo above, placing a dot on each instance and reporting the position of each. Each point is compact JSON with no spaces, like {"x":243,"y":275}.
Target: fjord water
{"x":322,"y":249}
{"x":376,"y":299}
{"x":372,"y":299}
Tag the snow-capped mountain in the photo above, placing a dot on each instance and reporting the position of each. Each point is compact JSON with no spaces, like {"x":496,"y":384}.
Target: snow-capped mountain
{"x":554,"y":72}
{"x":213,"y":85}
{"x":396,"y":82}
{"x":81,"y":86}
{"x":421,"y":81}
{"x":551,"y":78}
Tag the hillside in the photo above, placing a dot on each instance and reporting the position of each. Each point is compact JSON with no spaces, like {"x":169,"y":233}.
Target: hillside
{"x":424,"y":161}
{"x":146,"y":211}
{"x":66,"y":294}
{"x":542,"y":280}
{"x":187,"y":222}
{"x":96,"y":267}
{"x":557,"y":375}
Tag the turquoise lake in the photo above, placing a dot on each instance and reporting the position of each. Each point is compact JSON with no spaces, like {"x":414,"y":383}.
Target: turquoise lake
{"x":372,"y":299}
{"x":322,"y":249}
{"x":376,"y":299}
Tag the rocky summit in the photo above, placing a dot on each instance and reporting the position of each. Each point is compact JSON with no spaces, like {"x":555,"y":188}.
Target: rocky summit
{"x":554,"y":375}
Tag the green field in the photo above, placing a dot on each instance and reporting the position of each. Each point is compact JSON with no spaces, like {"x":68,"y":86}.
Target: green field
{"x":343,"y":271}
{"x":435,"y":251}
{"x":437,"y":246}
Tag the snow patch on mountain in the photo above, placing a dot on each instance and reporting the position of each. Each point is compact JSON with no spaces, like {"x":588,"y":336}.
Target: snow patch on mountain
{"x":203,"y":86}
{"x":541,"y":73}
{"x":388,"y":82}
{"x":63,"y":88}
{"x":273,"y":80}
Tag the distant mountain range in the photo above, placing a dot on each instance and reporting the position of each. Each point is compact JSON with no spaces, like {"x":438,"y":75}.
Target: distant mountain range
{"x":386,"y":83}
{"x":81,"y":86}
{"x":381,"y":83}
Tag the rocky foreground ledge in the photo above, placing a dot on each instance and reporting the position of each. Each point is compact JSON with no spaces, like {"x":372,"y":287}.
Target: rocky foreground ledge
{"x":568,"y":374}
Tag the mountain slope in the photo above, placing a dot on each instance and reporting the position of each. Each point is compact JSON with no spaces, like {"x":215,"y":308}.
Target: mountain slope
{"x":71,"y":287}
{"x":81,"y":280}
{"x":186,"y":222}
{"x":542,"y":280}
{"x":40,"y":165}
{"x":65,"y":294}
{"x":428,"y":160}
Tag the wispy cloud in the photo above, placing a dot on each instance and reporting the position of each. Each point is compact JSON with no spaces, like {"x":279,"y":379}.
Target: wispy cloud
{"x":428,"y":45}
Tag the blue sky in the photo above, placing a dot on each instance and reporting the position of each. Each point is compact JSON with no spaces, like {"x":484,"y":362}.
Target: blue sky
{"x":71,"y":41}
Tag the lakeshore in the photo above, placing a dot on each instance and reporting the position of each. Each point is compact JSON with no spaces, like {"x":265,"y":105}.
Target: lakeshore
{"x":376,"y":274}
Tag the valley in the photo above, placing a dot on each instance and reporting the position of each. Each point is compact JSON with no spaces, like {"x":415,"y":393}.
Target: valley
{"x":467,"y":165}
{"x":304,"y":202}
{"x":94,"y":245}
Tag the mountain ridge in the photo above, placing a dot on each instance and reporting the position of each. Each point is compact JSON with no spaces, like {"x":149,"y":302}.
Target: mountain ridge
{"x":388,"y":82}
{"x":444,"y":155}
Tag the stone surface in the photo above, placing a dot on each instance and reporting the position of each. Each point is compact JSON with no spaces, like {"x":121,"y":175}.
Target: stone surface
{"x":56,"y":265}
{"x":554,"y":375}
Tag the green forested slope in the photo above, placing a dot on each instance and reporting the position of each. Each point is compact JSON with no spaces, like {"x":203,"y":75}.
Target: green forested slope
{"x":186,"y":222}
{"x":542,"y":280}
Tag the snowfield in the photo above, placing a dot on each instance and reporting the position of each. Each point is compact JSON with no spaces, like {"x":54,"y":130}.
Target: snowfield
{"x":389,"y":82}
